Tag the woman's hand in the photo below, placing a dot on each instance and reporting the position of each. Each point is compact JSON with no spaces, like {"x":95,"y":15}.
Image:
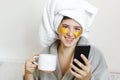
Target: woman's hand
{"x":85,"y":72}
{"x":30,"y":67}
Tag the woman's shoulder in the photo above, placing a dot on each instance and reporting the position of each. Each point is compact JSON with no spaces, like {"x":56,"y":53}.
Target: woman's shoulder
{"x":96,"y":56}
{"x":95,"y":52}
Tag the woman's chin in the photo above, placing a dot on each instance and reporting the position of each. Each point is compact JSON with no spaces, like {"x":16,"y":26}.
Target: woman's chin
{"x":69,"y":44}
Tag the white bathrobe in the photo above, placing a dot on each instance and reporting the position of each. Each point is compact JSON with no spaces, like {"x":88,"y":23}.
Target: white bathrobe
{"x":99,"y":67}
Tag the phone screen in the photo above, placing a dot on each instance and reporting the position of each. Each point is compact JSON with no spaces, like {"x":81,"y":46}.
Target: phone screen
{"x":84,"y":49}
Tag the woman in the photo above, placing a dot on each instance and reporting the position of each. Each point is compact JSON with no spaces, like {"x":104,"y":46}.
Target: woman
{"x":62,"y":37}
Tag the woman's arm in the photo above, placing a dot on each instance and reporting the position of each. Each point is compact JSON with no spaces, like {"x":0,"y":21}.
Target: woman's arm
{"x":28,"y":76}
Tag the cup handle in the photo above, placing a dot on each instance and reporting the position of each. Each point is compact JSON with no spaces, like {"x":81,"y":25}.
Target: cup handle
{"x":35,"y":57}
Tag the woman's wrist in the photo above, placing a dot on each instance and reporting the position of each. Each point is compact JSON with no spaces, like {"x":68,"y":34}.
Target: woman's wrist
{"x":28,"y":72}
{"x":28,"y":75}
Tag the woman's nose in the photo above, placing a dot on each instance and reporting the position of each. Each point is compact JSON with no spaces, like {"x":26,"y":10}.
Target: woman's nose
{"x":70,"y":33}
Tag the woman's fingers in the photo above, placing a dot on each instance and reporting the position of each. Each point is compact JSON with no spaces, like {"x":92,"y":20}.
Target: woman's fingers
{"x":77,"y":70}
{"x":84,"y":71}
{"x":29,"y":64}
{"x":75,"y":74}
{"x":82,"y":66}
{"x":34,"y":58}
{"x":85,"y":59}
{"x":36,"y":54}
{"x":87,"y":63}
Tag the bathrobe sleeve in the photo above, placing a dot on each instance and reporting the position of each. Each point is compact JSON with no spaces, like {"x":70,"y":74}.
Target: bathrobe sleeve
{"x":99,"y":65}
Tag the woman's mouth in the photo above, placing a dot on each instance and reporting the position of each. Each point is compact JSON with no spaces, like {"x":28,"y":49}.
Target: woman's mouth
{"x":69,"y":40}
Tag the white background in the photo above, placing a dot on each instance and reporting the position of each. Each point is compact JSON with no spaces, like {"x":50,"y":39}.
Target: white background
{"x":20,"y":20}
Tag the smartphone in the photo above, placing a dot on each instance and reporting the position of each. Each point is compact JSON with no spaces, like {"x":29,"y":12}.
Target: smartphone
{"x":83,"y":49}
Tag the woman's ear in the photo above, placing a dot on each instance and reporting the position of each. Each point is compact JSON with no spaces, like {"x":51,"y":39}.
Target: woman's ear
{"x":58,"y":36}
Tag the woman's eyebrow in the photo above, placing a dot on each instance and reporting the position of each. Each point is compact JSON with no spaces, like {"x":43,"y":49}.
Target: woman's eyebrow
{"x":77,"y":26}
{"x":65,"y":24}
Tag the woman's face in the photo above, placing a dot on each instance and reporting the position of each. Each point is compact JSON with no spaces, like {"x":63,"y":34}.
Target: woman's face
{"x":69,"y":32}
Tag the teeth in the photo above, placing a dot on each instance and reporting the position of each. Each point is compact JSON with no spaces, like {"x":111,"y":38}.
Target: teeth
{"x":69,"y":38}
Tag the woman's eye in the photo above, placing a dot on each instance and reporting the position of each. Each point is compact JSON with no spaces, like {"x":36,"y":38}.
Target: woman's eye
{"x":65,"y":26}
{"x":78,"y":29}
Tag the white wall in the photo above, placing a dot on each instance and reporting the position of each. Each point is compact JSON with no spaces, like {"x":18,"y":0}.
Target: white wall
{"x":19,"y":23}
{"x":105,"y":31}
{"x":20,"y":20}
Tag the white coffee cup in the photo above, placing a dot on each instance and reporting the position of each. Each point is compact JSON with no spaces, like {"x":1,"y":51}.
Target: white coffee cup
{"x":46,"y":62}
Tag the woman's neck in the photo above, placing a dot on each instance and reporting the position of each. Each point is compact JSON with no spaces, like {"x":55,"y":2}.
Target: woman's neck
{"x":63,"y":50}
{"x":65,"y":56}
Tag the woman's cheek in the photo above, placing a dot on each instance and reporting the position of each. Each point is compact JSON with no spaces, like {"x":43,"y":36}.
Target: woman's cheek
{"x":63,"y":30}
{"x":77,"y":34}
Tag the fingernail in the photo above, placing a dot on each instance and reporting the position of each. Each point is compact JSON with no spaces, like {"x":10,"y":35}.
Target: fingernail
{"x":74,"y":59}
{"x":81,"y":55}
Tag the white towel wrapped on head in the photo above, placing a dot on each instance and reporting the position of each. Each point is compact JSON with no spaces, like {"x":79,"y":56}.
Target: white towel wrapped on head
{"x":54,"y":11}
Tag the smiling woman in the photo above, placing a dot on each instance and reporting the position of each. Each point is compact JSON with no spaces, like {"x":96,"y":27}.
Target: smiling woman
{"x":62,"y":34}
{"x":19,"y":29}
{"x":69,"y":32}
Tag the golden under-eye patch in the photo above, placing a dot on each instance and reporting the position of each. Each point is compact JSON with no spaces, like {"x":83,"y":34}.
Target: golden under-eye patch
{"x":63,"y":30}
{"x":77,"y":33}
